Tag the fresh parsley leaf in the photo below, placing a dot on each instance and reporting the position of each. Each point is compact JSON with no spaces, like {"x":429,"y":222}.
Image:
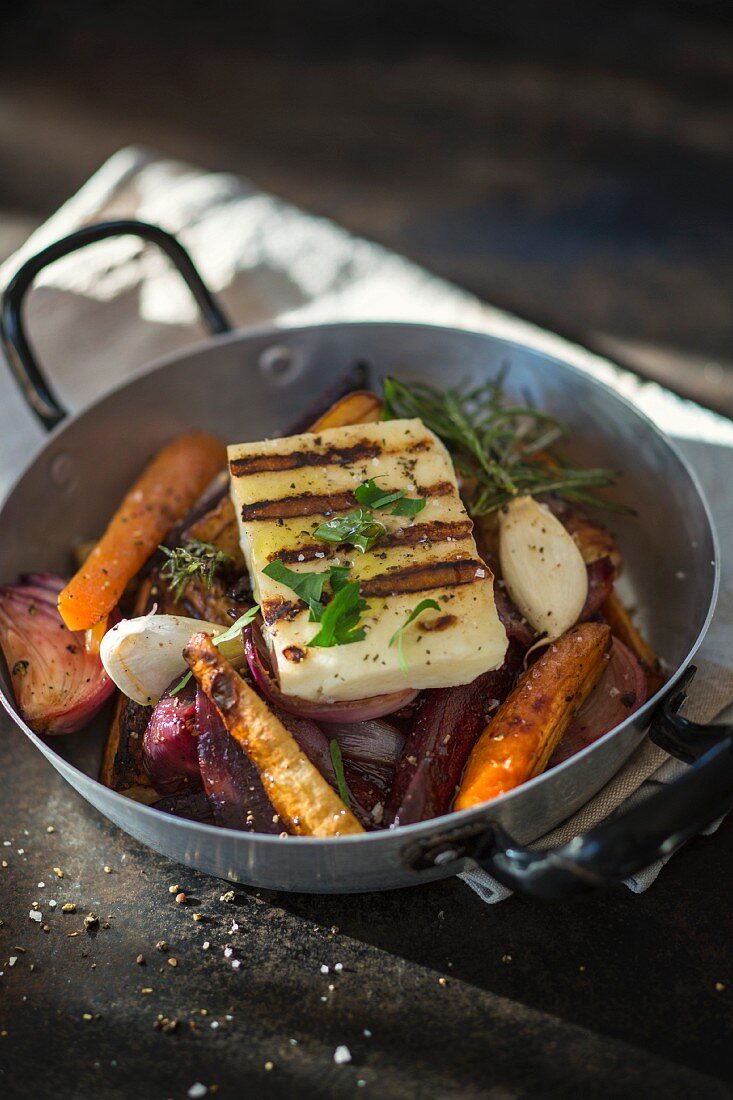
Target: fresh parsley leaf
{"x":234,"y":629}
{"x":308,"y":586}
{"x":339,"y":576}
{"x":398,"y":635}
{"x":338,"y":767}
{"x":409,"y":506}
{"x":340,"y":618}
{"x":359,"y":529}
{"x":187,"y":561}
{"x":371,"y":496}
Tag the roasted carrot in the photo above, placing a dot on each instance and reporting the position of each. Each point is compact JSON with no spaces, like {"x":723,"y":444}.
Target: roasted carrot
{"x":304,"y":800}
{"x":622,"y":626}
{"x":519,"y":740}
{"x":162,"y":494}
{"x":359,"y":407}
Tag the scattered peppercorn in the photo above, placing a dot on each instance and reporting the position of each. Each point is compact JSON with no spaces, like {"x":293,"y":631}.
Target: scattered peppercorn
{"x":172,"y":961}
{"x":181,"y":898}
{"x":68,"y":907}
{"x":162,"y":945}
{"x":140,"y":960}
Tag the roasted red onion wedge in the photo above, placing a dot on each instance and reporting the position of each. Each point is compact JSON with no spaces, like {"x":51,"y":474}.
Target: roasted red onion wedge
{"x":231,"y":781}
{"x":193,"y":805}
{"x":58,"y":686}
{"x":169,"y":744}
{"x":601,"y":575}
{"x":372,"y":748}
{"x":621,"y":690}
{"x":447,"y":725}
{"x":352,"y":710}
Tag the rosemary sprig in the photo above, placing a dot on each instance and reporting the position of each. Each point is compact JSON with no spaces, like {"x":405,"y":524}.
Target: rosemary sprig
{"x":187,"y":561}
{"x":500,"y":451}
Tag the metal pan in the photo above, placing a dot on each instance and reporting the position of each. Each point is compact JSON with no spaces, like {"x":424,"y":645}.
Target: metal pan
{"x":248,"y":384}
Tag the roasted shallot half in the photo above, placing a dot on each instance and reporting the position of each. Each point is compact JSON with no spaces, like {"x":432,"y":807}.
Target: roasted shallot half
{"x":58,"y":685}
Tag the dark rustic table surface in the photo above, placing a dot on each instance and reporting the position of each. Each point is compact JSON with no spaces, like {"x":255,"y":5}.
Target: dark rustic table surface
{"x":571,"y":167}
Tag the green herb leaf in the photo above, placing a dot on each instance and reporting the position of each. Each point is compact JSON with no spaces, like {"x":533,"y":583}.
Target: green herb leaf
{"x":398,"y":635}
{"x":371,"y":496}
{"x":359,"y":529}
{"x":181,"y":683}
{"x":227,"y":636}
{"x":308,"y":586}
{"x":187,"y":561}
{"x":409,"y":506}
{"x":340,"y":618}
{"x":236,"y":627}
{"x":502,"y":451}
{"x":338,"y":767}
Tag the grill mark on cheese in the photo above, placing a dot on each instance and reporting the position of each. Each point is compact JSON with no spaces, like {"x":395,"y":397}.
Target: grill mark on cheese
{"x":277,"y":608}
{"x":333,"y":456}
{"x":422,"y":578}
{"x":322,"y":504}
{"x":417,"y":533}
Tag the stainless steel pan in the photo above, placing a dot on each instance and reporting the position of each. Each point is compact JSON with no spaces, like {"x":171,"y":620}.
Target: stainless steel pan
{"x":248,"y":384}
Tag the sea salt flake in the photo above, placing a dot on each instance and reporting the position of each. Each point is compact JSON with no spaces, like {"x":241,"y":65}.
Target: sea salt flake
{"x":36,"y":915}
{"x":324,"y":969}
{"x":228,"y":952}
{"x":236,"y":963}
{"x":341,"y":1055}
{"x":12,"y":960}
{"x":206,"y":945}
{"x":197,"y":1091}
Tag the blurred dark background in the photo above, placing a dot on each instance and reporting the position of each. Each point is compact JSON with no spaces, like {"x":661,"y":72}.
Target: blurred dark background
{"x":570,"y":161}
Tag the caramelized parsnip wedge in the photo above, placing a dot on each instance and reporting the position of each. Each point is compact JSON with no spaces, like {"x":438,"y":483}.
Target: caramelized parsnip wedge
{"x":519,"y":740}
{"x":301,"y":796}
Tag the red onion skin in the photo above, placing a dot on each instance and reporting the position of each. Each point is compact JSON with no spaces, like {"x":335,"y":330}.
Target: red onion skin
{"x":58,"y":686}
{"x":447,"y":726}
{"x":169,"y":744}
{"x":601,"y":575}
{"x":230,"y":779}
{"x":352,"y":710}
{"x":603,"y":711}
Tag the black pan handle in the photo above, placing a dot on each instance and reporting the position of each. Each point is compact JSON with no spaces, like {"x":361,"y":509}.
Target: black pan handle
{"x":628,"y":841}
{"x":31,"y":379}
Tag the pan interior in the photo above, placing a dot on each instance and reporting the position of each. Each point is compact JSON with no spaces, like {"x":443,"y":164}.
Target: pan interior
{"x":249,"y":385}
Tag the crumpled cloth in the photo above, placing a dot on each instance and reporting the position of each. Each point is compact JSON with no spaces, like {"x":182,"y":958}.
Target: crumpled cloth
{"x":99,"y":316}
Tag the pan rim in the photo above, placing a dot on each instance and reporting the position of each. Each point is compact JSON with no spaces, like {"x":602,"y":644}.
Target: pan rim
{"x":454,"y":819}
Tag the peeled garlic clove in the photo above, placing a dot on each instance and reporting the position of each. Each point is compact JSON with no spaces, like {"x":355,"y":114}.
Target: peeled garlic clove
{"x":143,"y":655}
{"x":542,"y":567}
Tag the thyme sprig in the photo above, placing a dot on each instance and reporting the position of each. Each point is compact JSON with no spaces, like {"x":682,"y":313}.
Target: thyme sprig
{"x":501,"y":451}
{"x":192,"y":559}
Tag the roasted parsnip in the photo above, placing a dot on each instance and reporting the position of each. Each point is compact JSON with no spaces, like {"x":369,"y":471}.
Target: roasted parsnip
{"x":519,"y":740}
{"x":301,"y":796}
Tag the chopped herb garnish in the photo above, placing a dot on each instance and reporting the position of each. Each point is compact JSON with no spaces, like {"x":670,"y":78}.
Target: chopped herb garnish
{"x":359,"y":529}
{"x":409,"y":506}
{"x":227,"y":636}
{"x":308,"y":586}
{"x":338,"y":767}
{"x":181,"y":683}
{"x":244,"y":620}
{"x":191,"y":559}
{"x":500,"y":451}
{"x":371,"y":496}
{"x":398,"y":635}
{"x":340,"y":618}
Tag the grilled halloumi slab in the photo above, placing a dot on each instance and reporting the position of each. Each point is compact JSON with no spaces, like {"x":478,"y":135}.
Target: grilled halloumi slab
{"x":284,"y":489}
